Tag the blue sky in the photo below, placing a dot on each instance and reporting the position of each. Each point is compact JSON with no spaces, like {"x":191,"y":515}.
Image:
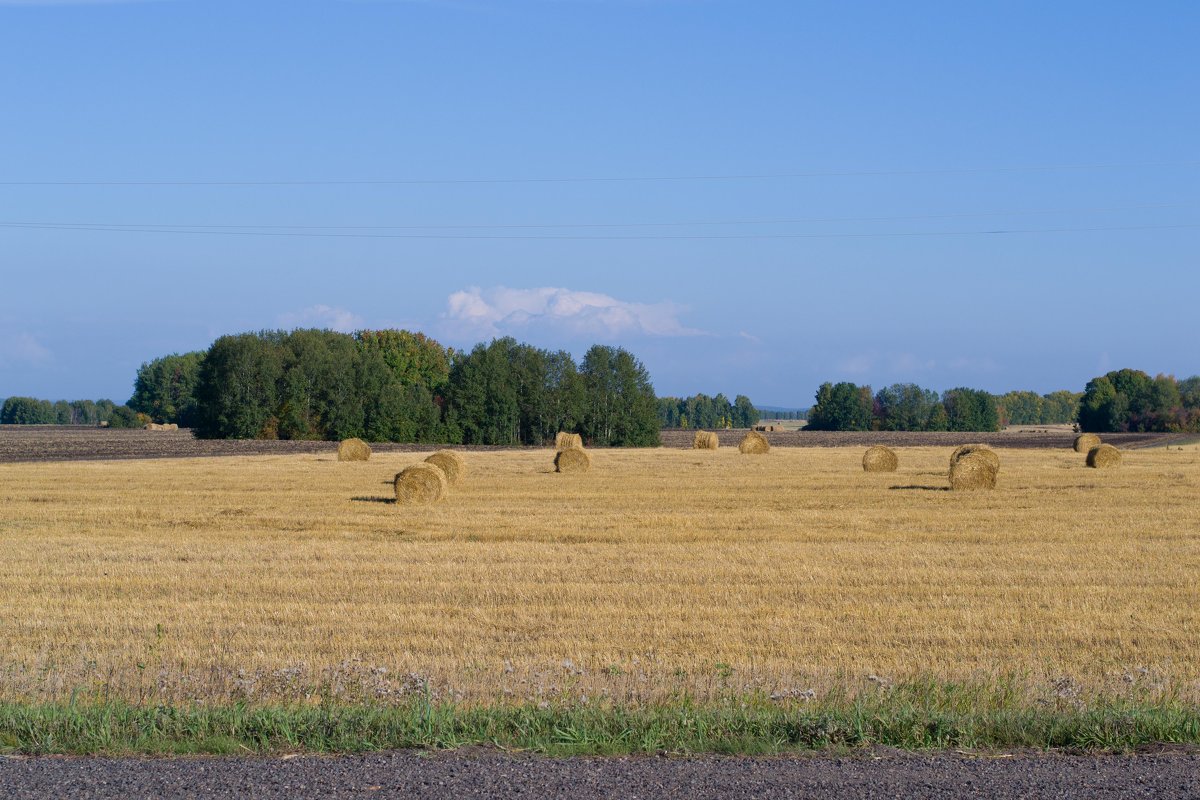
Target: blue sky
{"x":754,"y":197}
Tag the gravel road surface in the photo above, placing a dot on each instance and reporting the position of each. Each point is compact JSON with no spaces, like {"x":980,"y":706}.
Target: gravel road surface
{"x":485,"y":774}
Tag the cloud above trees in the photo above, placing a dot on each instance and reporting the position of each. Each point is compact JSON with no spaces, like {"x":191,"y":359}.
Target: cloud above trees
{"x":323,"y":316}
{"x":501,"y":310}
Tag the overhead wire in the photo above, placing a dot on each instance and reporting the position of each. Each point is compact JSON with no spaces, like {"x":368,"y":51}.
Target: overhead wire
{"x":592,"y":225}
{"x":602,"y":179}
{"x":640,"y":237}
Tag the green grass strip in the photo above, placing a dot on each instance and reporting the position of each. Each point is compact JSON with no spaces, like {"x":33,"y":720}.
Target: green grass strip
{"x":682,"y":728}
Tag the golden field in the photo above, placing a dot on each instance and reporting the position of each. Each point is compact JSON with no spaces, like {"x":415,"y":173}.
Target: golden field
{"x":658,"y":571}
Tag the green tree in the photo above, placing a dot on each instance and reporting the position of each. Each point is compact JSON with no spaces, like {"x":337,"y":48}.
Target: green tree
{"x":1189,"y":392}
{"x":83,"y":412}
{"x":318,"y":389}
{"x":414,"y":358}
{"x":26,"y":411}
{"x":237,"y":390}
{"x":1020,"y":408}
{"x":1100,"y":409}
{"x":1121,"y":400}
{"x":125,"y":417}
{"x":620,"y":409}
{"x":564,"y":394}
{"x":904,"y":407}
{"x":841,"y":407}
{"x":482,"y":398}
{"x":970,"y":410}
{"x":744,"y":415}
{"x":1060,"y":407}
{"x":62,"y":412}
{"x":165,"y":388}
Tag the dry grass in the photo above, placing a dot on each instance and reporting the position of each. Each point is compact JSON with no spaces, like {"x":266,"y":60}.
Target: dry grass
{"x":248,"y":576}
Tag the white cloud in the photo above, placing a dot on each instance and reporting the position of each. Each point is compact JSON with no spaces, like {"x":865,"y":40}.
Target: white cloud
{"x":322,"y":316}
{"x":857,"y":364}
{"x":907,"y":363}
{"x":499,"y":309}
{"x":23,"y":349}
{"x":973,"y":364}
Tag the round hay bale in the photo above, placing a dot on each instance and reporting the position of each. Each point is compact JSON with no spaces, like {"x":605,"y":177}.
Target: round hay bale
{"x":353,"y":450}
{"x":564,"y":441}
{"x":1104,"y":456}
{"x":1084,"y":442}
{"x":880,"y":459}
{"x":705,"y":440}
{"x":967,"y":449}
{"x":420,"y":485}
{"x":450,"y":463}
{"x":572,"y":459}
{"x":754,"y":444}
{"x":973,"y":470}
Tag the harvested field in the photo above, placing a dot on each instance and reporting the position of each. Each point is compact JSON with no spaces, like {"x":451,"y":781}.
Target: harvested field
{"x":67,"y":443}
{"x":1039,"y":438}
{"x":22,"y":443}
{"x":286,"y":577}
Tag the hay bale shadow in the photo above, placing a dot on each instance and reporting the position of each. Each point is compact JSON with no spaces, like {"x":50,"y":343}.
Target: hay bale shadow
{"x":390,"y":500}
{"x":919,"y":488}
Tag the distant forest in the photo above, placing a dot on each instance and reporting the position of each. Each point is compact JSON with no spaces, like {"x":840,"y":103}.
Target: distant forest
{"x":32,"y":411}
{"x":399,"y":386}
{"x":1122,"y":400}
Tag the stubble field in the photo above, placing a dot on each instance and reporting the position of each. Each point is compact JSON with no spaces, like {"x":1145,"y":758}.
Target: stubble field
{"x":657,"y":575}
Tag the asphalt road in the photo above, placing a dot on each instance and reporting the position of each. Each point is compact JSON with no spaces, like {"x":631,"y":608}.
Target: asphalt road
{"x":486,"y":774}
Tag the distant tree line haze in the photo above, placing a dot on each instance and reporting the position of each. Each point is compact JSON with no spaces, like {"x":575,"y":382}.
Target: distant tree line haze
{"x":702,"y":411}
{"x":32,"y":411}
{"x":908,"y":407}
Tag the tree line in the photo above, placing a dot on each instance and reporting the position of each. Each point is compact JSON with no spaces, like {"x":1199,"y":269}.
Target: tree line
{"x":908,"y":407}
{"x":398,"y":386}
{"x":702,"y":411}
{"x":33,"y":411}
{"x":1130,"y":400}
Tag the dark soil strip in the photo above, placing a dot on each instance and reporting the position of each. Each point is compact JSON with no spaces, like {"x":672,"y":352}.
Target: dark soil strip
{"x":65,"y":443}
{"x":62,"y":443}
{"x":487,"y":774}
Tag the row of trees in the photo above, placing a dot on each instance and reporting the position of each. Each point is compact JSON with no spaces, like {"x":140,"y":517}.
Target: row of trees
{"x":908,"y":407}
{"x":1130,"y":400}
{"x":507,"y":392}
{"x":398,"y":386}
{"x":793,"y":414}
{"x":32,"y":411}
{"x":702,"y":411}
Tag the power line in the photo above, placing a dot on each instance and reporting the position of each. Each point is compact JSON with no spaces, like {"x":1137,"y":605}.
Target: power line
{"x":602,"y":179}
{"x":592,"y":225}
{"x":640,"y":237}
